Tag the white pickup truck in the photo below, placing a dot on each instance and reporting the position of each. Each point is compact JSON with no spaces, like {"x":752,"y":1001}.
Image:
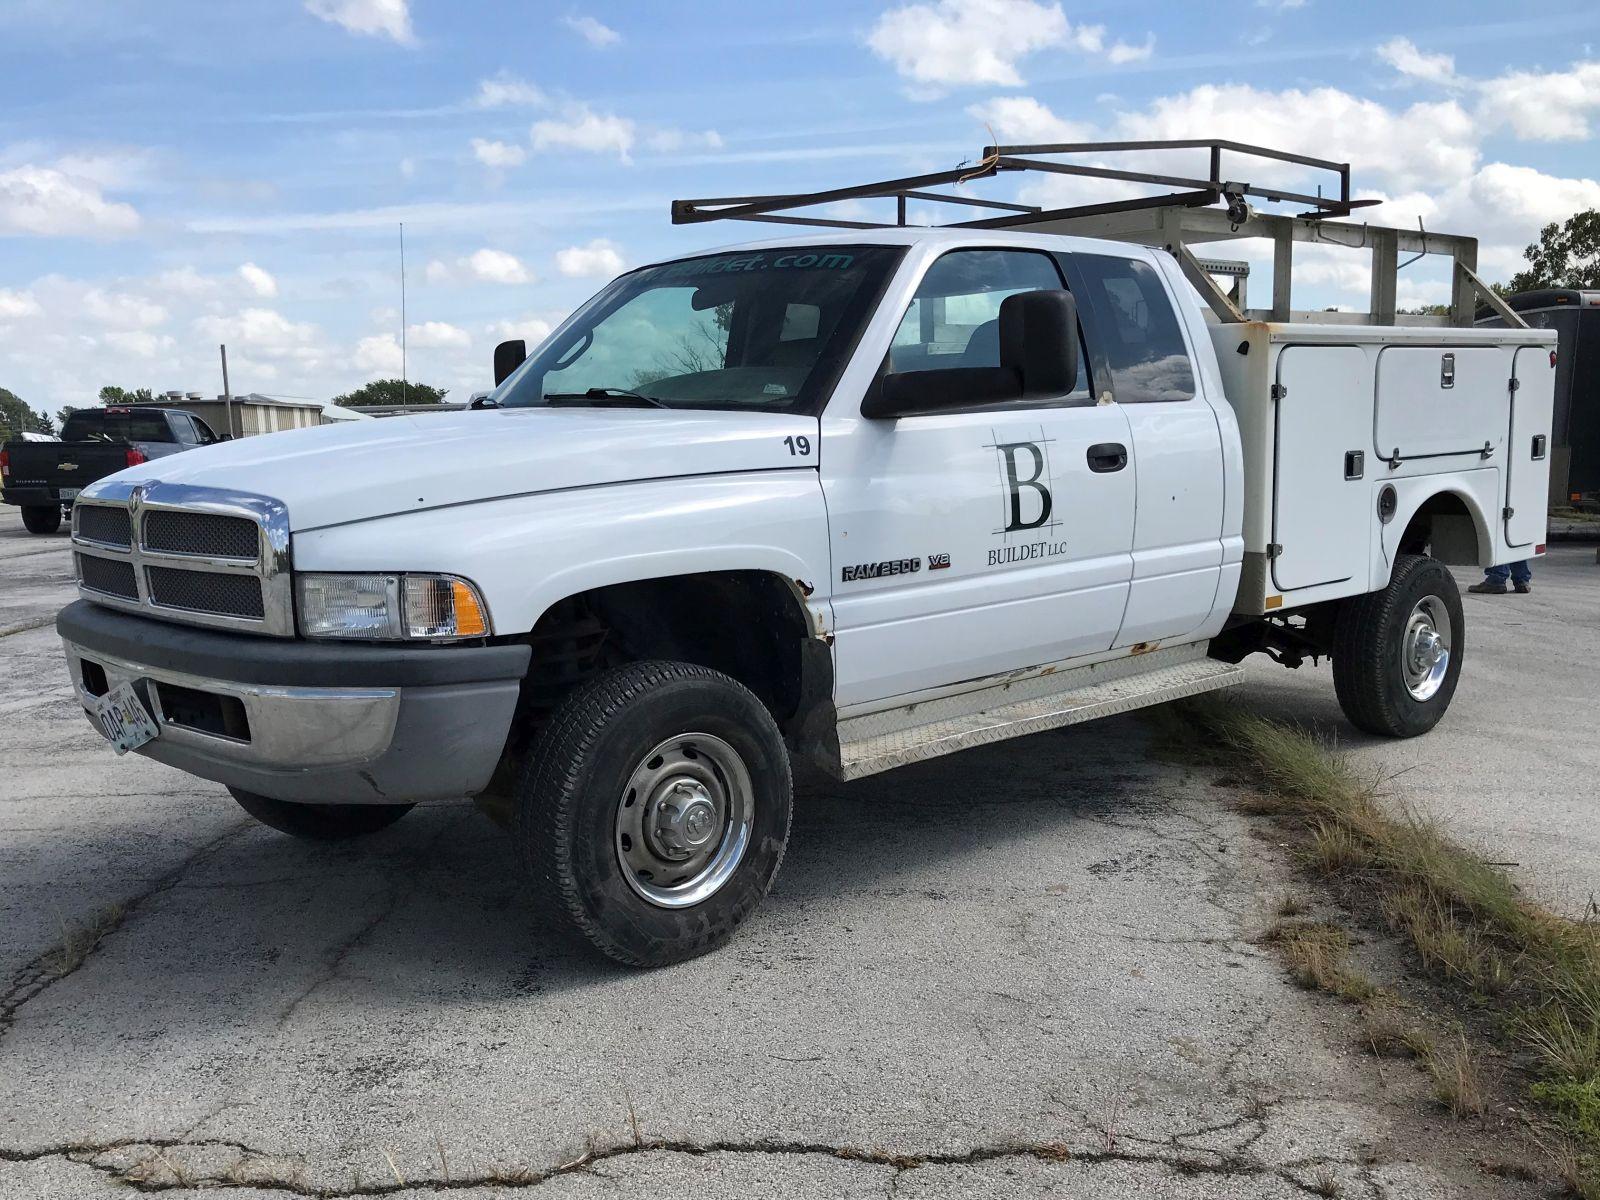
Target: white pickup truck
{"x":841,"y":503}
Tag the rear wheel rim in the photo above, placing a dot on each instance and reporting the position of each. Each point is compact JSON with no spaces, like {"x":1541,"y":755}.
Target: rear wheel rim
{"x":684,"y":820}
{"x":1425,"y":648}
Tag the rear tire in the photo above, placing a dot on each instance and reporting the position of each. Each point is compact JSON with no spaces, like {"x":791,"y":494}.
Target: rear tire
{"x":41,"y":518}
{"x":1397,"y":653}
{"x":319,"y":822}
{"x":653,"y":813}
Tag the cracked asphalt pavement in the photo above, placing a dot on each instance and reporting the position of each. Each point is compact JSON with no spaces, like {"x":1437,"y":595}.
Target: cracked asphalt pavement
{"x":1028,"y":970}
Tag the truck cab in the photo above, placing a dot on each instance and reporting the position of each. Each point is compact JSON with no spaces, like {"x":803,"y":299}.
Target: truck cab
{"x":829,"y":504}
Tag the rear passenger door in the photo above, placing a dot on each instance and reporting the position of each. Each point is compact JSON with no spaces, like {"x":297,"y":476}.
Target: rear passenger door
{"x":1144,"y":354}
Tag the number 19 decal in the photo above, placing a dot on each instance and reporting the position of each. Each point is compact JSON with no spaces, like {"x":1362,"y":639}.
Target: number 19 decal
{"x":798,"y":445}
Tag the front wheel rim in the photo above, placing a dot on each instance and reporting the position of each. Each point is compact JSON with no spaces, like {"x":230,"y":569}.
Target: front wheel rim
{"x":684,"y":820}
{"x":1425,"y":648}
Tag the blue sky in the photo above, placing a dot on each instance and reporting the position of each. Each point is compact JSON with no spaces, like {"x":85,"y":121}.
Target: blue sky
{"x":176,"y":174}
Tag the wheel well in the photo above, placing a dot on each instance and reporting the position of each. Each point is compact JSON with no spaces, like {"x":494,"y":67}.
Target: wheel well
{"x":1445,"y":528}
{"x":751,"y":625}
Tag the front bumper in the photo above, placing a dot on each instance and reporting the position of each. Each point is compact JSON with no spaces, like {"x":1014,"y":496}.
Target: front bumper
{"x":306,"y":721}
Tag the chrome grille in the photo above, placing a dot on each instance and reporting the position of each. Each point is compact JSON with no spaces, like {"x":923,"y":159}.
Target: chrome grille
{"x":206,"y":592}
{"x":108,"y":575}
{"x":178,"y":532}
{"x":197,"y":555}
{"x":98,"y":523}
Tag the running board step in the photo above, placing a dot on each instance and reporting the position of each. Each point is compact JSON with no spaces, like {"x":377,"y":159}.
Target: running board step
{"x":881,"y":751}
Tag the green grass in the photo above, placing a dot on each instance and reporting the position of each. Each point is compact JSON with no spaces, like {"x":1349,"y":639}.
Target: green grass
{"x":1535,"y":975}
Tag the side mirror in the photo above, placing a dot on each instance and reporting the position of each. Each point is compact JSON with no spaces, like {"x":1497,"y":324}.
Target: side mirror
{"x":1039,"y":338}
{"x":1038,"y":357}
{"x":482,"y":401}
{"x":508,"y":357}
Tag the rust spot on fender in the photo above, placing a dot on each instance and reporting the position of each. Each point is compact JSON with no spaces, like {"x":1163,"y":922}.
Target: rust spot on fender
{"x":804,"y":587}
{"x":1144,"y":647}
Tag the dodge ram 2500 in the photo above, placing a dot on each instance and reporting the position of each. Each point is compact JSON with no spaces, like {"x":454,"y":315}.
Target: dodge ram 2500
{"x":841,"y":503}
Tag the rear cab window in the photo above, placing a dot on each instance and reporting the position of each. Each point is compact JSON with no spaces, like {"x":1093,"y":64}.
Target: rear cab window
{"x":1136,"y":329}
{"x":117,"y":425}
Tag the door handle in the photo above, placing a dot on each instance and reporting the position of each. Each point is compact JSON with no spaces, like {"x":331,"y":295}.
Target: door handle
{"x":1107,"y":456}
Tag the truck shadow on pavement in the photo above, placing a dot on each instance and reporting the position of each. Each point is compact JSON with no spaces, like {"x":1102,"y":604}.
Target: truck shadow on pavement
{"x":433,"y":911}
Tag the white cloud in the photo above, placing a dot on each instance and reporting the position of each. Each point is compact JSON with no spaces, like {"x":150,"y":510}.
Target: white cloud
{"x":498,"y":155}
{"x":120,"y":310}
{"x":580,"y":127}
{"x":437,"y":335}
{"x":496,"y":266}
{"x":1434,"y":143}
{"x":49,"y":202}
{"x":1022,"y":119}
{"x":599,"y":258}
{"x":1402,"y":54}
{"x":1546,"y":107}
{"x":373,"y":18}
{"x":481,"y":266}
{"x":258,"y":281}
{"x":379,"y":355}
{"x":946,"y":43}
{"x":140,"y":343}
{"x":531,"y":328}
{"x":666,"y":141}
{"x":592,"y":31}
{"x":263,"y":333}
{"x":17,"y":304}
{"x":507,"y":91}
{"x":1123,"y":52}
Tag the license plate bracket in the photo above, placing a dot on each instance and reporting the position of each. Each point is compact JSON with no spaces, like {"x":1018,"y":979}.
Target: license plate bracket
{"x":124,"y":720}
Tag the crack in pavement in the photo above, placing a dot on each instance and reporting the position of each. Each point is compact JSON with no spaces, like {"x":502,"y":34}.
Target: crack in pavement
{"x":140,"y":1177}
{"x":38,"y":975}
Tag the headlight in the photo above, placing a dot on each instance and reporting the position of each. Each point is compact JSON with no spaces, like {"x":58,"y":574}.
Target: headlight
{"x":392,"y":607}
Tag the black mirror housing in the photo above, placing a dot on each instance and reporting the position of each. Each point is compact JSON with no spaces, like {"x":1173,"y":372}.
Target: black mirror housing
{"x":1039,"y":339}
{"x":508,"y":356}
{"x":1038,"y":358}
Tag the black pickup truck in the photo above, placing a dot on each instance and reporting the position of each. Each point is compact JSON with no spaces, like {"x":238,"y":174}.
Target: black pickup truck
{"x":44,"y":478}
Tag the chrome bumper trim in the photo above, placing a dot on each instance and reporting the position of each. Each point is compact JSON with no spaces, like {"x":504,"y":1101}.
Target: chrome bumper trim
{"x":291,"y":728}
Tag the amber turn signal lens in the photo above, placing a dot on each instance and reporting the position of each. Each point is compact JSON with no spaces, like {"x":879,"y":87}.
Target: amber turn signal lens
{"x":470,"y":618}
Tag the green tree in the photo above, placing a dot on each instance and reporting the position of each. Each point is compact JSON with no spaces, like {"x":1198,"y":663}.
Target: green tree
{"x":17,"y":418}
{"x":1565,"y":256}
{"x":111,"y":394}
{"x":391,"y":391}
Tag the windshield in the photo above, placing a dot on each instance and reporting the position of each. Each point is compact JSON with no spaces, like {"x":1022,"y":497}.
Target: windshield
{"x":110,"y":425}
{"x":757,"y":330}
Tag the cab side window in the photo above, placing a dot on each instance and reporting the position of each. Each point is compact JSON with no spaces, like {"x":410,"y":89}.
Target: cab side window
{"x":953,"y":320}
{"x":1138,"y":330}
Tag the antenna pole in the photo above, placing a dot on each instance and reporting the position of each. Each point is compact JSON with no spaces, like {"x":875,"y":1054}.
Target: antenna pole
{"x":404,"y":389}
{"x":227,"y":393}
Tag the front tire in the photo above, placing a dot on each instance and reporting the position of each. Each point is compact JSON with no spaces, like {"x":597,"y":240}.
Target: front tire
{"x":654,"y":811}
{"x":319,"y":822}
{"x":1397,"y":653}
{"x":41,"y":518}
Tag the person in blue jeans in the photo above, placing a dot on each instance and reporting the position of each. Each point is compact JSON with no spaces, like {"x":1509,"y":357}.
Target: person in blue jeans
{"x":1494,"y":579}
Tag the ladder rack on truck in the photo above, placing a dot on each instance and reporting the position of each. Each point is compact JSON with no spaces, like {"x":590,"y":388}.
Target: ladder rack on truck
{"x":1198,"y":210}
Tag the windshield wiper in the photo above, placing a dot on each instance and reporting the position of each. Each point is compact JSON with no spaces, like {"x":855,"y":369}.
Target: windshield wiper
{"x":607,"y":393}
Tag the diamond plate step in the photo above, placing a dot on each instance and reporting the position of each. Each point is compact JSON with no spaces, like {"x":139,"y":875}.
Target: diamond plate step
{"x":1103,"y":698}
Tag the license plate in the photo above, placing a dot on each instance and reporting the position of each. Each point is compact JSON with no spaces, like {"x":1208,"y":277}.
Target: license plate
{"x":124,"y":720}
{"x":68,"y":493}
